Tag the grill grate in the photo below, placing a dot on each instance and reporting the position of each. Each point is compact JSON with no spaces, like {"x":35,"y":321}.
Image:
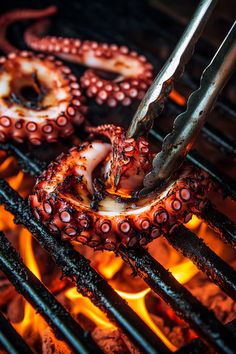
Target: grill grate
{"x":160,"y":280}
{"x":74,"y":265}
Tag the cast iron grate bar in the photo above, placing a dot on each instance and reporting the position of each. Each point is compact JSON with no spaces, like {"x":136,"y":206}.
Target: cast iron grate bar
{"x":197,"y":346}
{"x":220,"y":224}
{"x":27,"y":284}
{"x":161,"y":281}
{"x":10,"y":340}
{"x":89,"y":282}
{"x":29,"y":164}
{"x":194,"y":248}
{"x":227,"y":183}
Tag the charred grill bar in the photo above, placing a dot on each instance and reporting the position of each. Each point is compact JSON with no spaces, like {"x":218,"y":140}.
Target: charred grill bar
{"x":220,"y":223}
{"x":204,"y":258}
{"x":28,"y":163}
{"x":41,"y":299}
{"x":199,"y":346}
{"x":180,"y":299}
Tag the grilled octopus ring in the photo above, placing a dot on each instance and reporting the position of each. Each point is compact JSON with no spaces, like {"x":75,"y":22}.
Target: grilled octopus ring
{"x":133,"y":72}
{"x":39,"y":99}
{"x":80,"y":198}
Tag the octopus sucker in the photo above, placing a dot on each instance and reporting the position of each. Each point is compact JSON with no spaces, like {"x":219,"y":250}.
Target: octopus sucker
{"x":133,"y":73}
{"x":37,"y":99}
{"x":64,"y":195}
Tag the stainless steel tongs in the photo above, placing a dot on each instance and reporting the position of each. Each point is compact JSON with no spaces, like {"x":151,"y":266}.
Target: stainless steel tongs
{"x":188,"y":124}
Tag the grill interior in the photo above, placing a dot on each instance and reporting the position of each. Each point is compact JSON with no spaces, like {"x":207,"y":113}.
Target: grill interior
{"x":152,"y":30}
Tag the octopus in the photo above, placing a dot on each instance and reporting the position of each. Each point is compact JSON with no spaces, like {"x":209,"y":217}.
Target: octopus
{"x":133,"y":73}
{"x":91,"y":194}
{"x":40,"y":99}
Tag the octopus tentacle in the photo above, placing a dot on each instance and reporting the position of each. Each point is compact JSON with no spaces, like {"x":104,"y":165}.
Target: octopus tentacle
{"x":130,"y":161}
{"x":134,"y":73}
{"x":40,"y":99}
{"x":68,"y":199}
{"x":19,"y":15}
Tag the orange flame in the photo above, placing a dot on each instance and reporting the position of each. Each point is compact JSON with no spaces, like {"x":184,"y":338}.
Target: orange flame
{"x":110,"y":265}
{"x":32,"y":322}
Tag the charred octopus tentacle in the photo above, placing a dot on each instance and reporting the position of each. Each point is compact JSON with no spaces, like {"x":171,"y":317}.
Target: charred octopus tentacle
{"x":39,"y":98}
{"x":79,"y":197}
{"x":134,"y":73}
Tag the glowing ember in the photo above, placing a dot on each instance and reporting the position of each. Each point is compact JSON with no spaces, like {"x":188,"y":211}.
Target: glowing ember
{"x":177,"y":98}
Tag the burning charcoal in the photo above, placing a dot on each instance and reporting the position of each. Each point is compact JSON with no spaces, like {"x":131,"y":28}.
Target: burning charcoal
{"x":212,"y":297}
{"x":51,"y":345}
{"x":15,"y":309}
{"x":7,"y":290}
{"x":111,"y":341}
{"x":132,"y":349}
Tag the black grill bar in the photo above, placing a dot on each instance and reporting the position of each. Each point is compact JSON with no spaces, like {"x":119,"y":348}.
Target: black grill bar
{"x":40,"y":298}
{"x":88,"y":281}
{"x":27,"y":162}
{"x":227,"y":183}
{"x":197,"y":346}
{"x":217,"y":138}
{"x":194,"y":248}
{"x":220,"y":224}
{"x":162,"y":282}
{"x":10,"y":340}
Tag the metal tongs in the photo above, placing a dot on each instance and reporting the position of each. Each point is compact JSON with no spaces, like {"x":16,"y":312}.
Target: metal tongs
{"x":188,"y":124}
